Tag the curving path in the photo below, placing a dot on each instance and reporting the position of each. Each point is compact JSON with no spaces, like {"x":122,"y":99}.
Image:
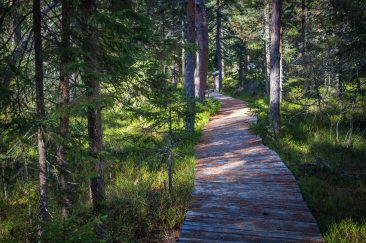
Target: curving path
{"x":243,"y":191}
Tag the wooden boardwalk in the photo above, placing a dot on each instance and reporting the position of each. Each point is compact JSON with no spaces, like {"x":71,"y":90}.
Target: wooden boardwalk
{"x":243,"y":191}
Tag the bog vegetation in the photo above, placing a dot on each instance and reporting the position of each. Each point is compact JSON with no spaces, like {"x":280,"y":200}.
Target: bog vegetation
{"x":103,"y":101}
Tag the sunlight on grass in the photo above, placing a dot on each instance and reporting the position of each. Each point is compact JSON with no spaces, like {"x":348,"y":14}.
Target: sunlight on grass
{"x":336,"y":196}
{"x":138,"y":205}
{"x":346,"y":231}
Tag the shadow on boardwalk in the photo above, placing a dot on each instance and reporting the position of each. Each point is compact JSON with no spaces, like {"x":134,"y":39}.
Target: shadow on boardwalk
{"x":243,"y":191}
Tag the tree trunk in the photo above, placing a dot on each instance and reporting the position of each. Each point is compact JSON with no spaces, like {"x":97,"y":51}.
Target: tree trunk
{"x":190,"y":67}
{"x":183,"y":36}
{"x":97,"y":190}
{"x":202,"y":55}
{"x":358,"y":82}
{"x":281,"y":61}
{"x":17,"y":35}
{"x":219,"y":61}
{"x":275,"y":66}
{"x":197,"y":80}
{"x":241,"y":65}
{"x":174,"y":72}
{"x":65,"y":100}
{"x":267,"y":43}
{"x":41,"y":113}
{"x":303,"y":47}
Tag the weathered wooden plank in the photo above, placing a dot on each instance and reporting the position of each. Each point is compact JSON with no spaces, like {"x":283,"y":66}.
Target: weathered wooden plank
{"x":253,"y":222}
{"x":250,"y":179}
{"x":203,"y":240}
{"x":226,"y":179}
{"x":272,"y":191}
{"x":243,"y":191}
{"x":237,"y":212}
{"x":244,"y":156}
{"x":241,"y":185}
{"x":214,"y":238}
{"x":252,"y":162}
{"x":210,"y":236}
{"x":259,"y":195}
{"x":217,"y":199}
{"x":243,"y":231}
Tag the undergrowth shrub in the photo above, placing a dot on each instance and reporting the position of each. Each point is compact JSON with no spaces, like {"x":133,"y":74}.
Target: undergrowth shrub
{"x":138,"y":204}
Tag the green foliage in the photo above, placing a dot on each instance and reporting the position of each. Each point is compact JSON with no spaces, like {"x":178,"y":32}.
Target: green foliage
{"x":81,"y":227}
{"x":139,"y":52}
{"x":138,"y":205}
{"x":347,"y":231}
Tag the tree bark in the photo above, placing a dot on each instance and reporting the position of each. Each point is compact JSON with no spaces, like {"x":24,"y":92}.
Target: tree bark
{"x":190,"y":67}
{"x":242,"y":65}
{"x":303,"y":47}
{"x":202,"y":55}
{"x":281,"y":61}
{"x":219,"y":61}
{"x":41,"y":113}
{"x":174,"y":72}
{"x":183,"y":36}
{"x":17,"y":35}
{"x":97,"y":190}
{"x":275,"y":66}
{"x":267,"y":43}
{"x":65,"y":100}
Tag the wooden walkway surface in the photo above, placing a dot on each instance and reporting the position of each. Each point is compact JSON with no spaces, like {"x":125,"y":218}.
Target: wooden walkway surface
{"x":243,"y":191}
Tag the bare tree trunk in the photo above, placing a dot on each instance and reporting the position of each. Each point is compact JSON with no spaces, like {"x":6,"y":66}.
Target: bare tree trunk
{"x":97,"y":190}
{"x":170,"y":153}
{"x":303,"y":47}
{"x":4,"y":181}
{"x":190,"y":67}
{"x":241,"y":65}
{"x":174,"y":72}
{"x":219,"y":61}
{"x":267,"y":42}
{"x":41,"y":113}
{"x":358,"y":82}
{"x":281,"y":61}
{"x":183,"y":50}
{"x":202,"y":55}
{"x":65,"y":100}
{"x":216,"y":83}
{"x":17,"y":35}
{"x":275,"y":66}
{"x":197,"y":80}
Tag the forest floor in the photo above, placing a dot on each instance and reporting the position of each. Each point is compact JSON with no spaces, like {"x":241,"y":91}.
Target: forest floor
{"x":139,"y":206}
{"x":329,"y":168}
{"x":243,"y":191}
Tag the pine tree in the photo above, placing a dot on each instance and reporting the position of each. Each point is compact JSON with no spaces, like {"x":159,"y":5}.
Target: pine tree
{"x":275,"y":83}
{"x":65,"y":100}
{"x":90,"y":46}
{"x":41,"y":112}
{"x":190,"y":67}
{"x":202,"y":53}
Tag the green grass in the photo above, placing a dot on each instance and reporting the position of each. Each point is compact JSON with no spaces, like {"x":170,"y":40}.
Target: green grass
{"x":139,"y":206}
{"x":336,"y":196}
